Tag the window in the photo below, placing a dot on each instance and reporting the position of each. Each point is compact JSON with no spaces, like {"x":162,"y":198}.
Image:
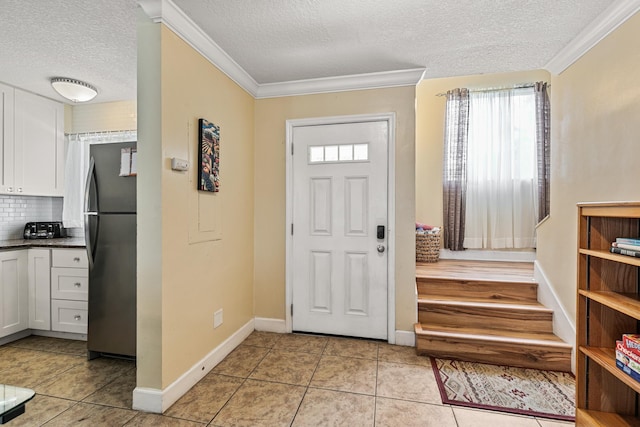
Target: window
{"x":501,"y":198}
{"x":338,"y":153}
{"x":496,"y":167}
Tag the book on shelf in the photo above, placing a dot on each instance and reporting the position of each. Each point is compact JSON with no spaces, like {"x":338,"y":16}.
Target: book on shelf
{"x":628,"y":240}
{"x":626,"y":246}
{"x":627,"y":252}
{"x":631,"y":342}
{"x":627,"y":370}
{"x":628,"y":361}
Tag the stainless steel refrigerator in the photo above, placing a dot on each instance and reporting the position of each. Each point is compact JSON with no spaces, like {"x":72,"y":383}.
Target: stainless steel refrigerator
{"x":110,"y":234}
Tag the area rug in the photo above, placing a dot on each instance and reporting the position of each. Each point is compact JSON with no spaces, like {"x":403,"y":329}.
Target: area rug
{"x":546,"y":394}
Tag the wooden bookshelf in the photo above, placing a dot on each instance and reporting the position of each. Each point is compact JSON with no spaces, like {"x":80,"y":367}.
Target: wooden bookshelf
{"x":608,"y":306}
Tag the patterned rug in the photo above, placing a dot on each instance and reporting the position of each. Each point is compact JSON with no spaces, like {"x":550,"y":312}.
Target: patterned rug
{"x":546,"y":394}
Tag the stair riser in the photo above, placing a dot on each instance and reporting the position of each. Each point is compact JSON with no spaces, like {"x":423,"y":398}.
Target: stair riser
{"x":491,"y":291}
{"x":490,"y":318}
{"x":497,"y":353}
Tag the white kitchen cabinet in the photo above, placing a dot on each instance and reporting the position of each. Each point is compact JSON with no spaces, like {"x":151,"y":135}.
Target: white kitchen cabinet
{"x":6,"y":137}
{"x":39,"y":151}
{"x":69,"y":290}
{"x":14,"y":306}
{"x":38,"y":276}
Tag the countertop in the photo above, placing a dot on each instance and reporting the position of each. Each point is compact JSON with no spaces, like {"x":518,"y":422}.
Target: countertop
{"x":65,"y":242}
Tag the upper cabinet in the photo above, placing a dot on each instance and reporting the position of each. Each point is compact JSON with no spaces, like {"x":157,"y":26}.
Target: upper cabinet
{"x":33,"y":151}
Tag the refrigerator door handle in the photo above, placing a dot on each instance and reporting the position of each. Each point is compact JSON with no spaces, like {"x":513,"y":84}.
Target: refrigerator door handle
{"x":91,"y":177}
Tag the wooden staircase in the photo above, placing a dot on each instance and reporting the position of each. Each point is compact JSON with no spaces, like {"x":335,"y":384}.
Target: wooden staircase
{"x":488,"y":312}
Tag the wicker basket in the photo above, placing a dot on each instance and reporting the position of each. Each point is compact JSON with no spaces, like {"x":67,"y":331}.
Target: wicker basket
{"x":427,"y":247}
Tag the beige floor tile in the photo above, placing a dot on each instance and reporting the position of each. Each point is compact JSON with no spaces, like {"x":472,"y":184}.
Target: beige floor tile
{"x":118,"y":393}
{"x":241,"y":361}
{"x":301,"y":343}
{"x":205,"y":399}
{"x":334,"y":408}
{"x":287,"y":367}
{"x":262,"y":339}
{"x":83,"y":380}
{"x":16,"y":359}
{"x":401,"y":413}
{"x":401,"y":354}
{"x":84,"y":414}
{"x":477,"y":418}
{"x":260,"y":403}
{"x":407,"y":382}
{"x":154,"y":420}
{"x":41,"y":409}
{"x":351,"y":348}
{"x":552,"y":423}
{"x":346,"y":374}
{"x":55,"y":345}
{"x":40,"y":369}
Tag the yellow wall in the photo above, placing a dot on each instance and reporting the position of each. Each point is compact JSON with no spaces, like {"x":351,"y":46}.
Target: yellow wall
{"x":595,"y":107}
{"x":101,"y":117}
{"x":199,"y":259}
{"x":430,"y":112}
{"x":270,"y":197}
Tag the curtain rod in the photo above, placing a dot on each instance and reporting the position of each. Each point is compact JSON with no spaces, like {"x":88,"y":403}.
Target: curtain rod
{"x":103,"y":132}
{"x":519,"y":86}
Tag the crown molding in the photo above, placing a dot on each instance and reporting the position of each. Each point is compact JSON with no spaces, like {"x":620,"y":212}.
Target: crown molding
{"x":609,"y":20}
{"x":409,"y":77}
{"x":166,"y":12}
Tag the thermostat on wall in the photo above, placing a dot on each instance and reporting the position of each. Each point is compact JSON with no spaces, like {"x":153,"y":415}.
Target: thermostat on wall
{"x":179,"y":164}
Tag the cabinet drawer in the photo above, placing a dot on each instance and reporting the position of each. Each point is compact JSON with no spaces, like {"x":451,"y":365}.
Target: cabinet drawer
{"x":69,"y":283}
{"x":73,"y":258}
{"x":69,"y":316}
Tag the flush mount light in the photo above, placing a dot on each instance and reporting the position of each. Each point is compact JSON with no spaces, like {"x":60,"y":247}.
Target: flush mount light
{"x":74,"y":90}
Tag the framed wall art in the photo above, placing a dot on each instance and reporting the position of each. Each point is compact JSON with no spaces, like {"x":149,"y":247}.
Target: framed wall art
{"x":208,"y":156}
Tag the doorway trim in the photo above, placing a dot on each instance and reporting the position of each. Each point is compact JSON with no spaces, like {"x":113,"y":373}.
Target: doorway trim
{"x":390,"y":118}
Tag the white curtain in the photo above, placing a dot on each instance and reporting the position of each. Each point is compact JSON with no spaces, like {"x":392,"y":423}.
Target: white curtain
{"x":76,"y":167}
{"x":501,"y":170}
{"x":72,"y":203}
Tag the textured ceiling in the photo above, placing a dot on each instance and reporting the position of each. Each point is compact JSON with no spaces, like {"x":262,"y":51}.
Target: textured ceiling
{"x":284,"y":40}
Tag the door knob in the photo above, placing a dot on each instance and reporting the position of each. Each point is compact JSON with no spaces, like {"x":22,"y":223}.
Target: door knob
{"x":380,"y":248}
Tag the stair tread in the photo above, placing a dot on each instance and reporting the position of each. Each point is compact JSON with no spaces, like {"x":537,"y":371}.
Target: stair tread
{"x":515,"y":305}
{"x":490,"y":271}
{"x":516,"y":337}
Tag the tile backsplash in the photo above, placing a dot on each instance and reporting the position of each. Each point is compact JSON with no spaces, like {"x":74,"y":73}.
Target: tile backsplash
{"x":16,"y":211}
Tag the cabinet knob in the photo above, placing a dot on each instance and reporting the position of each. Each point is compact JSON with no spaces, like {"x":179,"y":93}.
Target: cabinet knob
{"x":76,"y":259}
{"x":77,"y":317}
{"x":10,"y":190}
{"x":77,"y":284}
{"x":19,"y":190}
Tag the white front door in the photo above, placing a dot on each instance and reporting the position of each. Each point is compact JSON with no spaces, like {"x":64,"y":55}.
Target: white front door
{"x":340,"y":229}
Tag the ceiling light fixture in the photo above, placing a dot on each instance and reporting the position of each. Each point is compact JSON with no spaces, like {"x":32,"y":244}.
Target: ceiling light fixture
{"x":74,"y":90}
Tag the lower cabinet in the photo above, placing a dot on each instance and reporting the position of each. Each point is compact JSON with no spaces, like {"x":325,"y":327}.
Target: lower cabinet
{"x":43,"y":289}
{"x":14,"y":306}
{"x":69,"y":290}
{"x":39,"y":272}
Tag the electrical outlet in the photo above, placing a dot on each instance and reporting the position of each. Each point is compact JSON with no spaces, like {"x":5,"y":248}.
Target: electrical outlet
{"x":217,"y":318}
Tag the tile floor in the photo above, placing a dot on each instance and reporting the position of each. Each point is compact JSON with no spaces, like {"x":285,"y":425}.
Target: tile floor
{"x":269,"y":380}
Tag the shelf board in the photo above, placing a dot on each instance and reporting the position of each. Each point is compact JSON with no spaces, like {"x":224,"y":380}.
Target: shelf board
{"x":585,"y":417}
{"x":606,"y":357}
{"x":605,"y":254}
{"x":626,"y":303}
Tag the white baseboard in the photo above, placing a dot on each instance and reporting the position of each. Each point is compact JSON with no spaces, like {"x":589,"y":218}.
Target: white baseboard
{"x":15,"y":337}
{"x":406,"y":338}
{"x":63,"y":335}
{"x":515,"y":255}
{"x":266,"y":324}
{"x":158,"y":401}
{"x":563,"y":326}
